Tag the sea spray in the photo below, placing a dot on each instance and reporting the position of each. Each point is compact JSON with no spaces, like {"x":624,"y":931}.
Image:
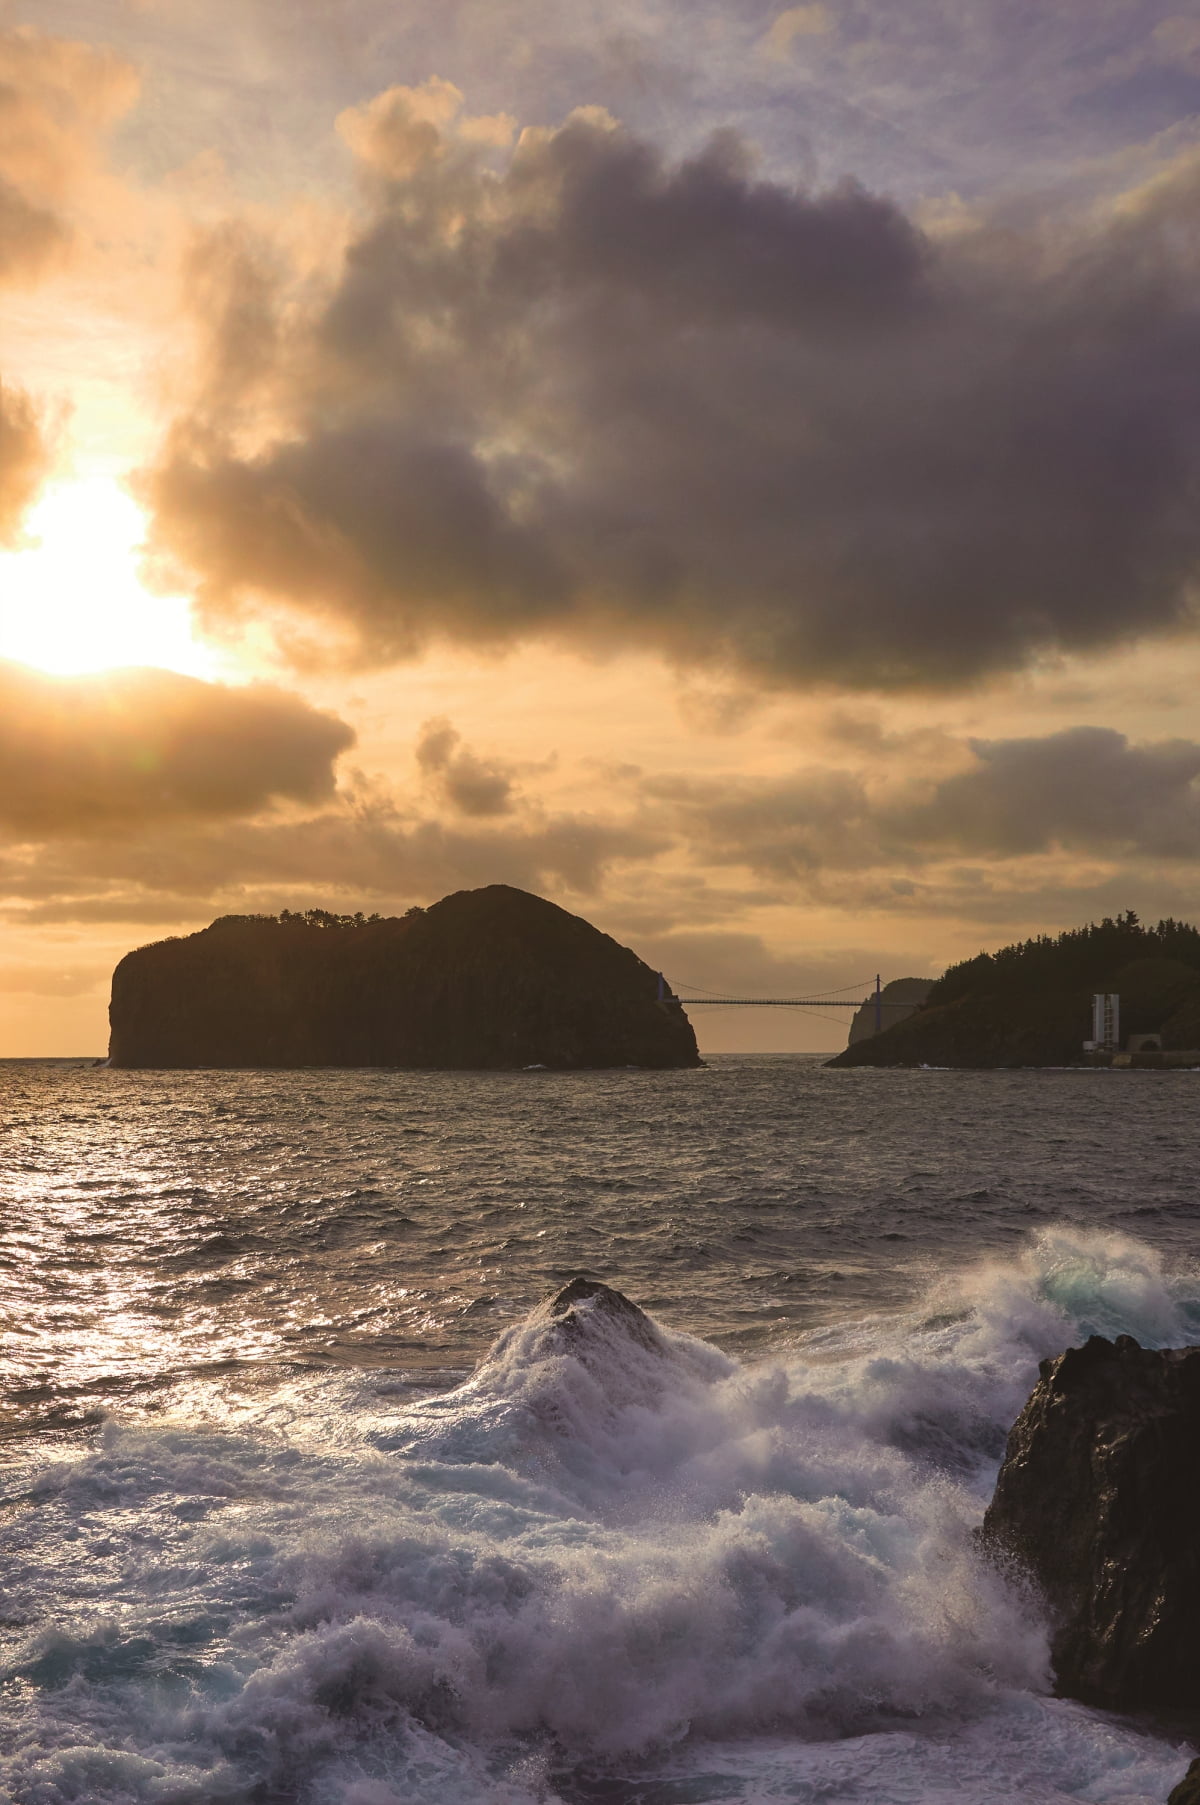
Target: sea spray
{"x":620,"y":1556}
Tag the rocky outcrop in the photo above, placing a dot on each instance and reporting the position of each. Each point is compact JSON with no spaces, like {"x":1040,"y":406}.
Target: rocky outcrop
{"x":491,"y":978}
{"x":566,"y":1317}
{"x":1096,"y":1500}
{"x":596,"y":1328}
{"x":897,"y":1001}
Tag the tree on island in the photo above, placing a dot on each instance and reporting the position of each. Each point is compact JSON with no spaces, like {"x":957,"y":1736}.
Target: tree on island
{"x":1077,"y":956}
{"x":320,"y":918}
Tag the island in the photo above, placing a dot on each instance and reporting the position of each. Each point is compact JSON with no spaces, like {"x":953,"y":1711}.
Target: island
{"x":1030,"y":1004}
{"x":493,"y":979}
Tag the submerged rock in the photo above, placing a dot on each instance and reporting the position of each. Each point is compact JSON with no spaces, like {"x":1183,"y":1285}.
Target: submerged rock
{"x":493,"y":978}
{"x":1097,"y":1501}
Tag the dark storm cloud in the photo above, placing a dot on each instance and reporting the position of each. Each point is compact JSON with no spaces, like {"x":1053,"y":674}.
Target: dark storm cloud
{"x":94,"y":755}
{"x":607,"y":398}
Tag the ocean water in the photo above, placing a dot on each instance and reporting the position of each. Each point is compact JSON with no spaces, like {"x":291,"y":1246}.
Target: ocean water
{"x":298,"y":1507}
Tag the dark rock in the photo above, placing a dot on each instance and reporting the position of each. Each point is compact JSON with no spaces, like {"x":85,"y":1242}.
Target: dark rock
{"x":491,"y":978}
{"x":1097,"y":1500}
{"x":1188,"y":1790}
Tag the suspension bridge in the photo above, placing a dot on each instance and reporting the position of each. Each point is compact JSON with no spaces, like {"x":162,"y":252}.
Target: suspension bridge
{"x":835,"y":999}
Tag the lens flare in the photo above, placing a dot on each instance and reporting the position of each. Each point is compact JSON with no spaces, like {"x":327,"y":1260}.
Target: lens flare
{"x":71,"y":599}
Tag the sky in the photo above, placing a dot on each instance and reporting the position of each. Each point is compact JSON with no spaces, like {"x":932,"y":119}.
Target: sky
{"x":731,"y":469}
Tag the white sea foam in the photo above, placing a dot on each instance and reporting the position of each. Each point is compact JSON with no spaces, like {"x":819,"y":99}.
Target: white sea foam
{"x":610,"y":1555}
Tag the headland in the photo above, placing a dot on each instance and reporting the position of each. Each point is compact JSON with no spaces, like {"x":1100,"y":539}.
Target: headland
{"x":1030,"y":1004}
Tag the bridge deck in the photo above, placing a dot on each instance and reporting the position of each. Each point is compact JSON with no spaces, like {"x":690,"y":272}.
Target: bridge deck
{"x":791,"y":1003}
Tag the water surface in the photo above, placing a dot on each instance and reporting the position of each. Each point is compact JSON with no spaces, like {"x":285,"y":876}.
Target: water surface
{"x":268,"y":1540}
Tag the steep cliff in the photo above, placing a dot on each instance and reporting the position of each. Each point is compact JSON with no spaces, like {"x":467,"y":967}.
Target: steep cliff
{"x":491,"y":978}
{"x":1096,"y":1500}
{"x":897,"y":1001}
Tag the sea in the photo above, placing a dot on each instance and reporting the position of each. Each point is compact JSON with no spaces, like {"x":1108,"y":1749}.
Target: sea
{"x":299,"y":1507}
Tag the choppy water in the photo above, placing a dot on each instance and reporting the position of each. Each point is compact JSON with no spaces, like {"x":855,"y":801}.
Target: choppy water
{"x":266,"y":1539}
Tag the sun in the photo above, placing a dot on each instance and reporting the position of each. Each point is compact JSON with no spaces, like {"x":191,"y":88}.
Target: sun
{"x":70,"y":597}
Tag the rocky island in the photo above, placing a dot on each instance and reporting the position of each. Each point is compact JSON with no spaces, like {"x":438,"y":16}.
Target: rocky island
{"x":1030,"y":1004}
{"x":485,"y":979}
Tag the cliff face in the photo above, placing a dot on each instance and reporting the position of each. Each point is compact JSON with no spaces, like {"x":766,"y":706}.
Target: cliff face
{"x":898,"y":1000}
{"x":1097,"y":1501}
{"x":491,"y":978}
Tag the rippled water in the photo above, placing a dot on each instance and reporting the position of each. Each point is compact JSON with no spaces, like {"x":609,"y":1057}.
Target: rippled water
{"x":265,"y":1544}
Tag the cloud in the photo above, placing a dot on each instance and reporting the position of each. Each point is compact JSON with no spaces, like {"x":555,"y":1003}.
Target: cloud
{"x":604,"y":398}
{"x":1084,"y":789}
{"x":1087,"y":792}
{"x":144,"y":796}
{"x":796,"y":23}
{"x":30,"y":236}
{"x":975,"y":829}
{"x":100,"y":754}
{"x":378,"y":857}
{"x":231,"y":280}
{"x":25,"y":455}
{"x":782,"y":828}
{"x":58,"y":101}
{"x":472,"y":785}
{"x":398,"y":131}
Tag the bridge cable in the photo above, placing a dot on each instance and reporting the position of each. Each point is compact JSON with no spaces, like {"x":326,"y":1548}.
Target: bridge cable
{"x":822,"y":996}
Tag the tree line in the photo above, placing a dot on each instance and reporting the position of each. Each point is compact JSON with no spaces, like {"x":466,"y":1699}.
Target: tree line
{"x":1086,"y":955}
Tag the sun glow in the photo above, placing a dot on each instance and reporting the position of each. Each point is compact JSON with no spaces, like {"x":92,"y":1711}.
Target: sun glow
{"x":70,"y":598}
